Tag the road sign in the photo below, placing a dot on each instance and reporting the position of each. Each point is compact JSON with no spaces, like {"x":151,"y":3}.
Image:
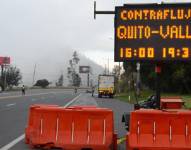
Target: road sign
{"x":5,"y":60}
{"x":84,"y":69}
{"x":153,"y":32}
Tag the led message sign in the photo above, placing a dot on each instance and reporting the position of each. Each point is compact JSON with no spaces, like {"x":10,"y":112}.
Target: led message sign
{"x":153,"y":32}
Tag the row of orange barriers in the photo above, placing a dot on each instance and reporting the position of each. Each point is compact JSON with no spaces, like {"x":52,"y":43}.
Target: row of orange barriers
{"x":171,"y":103}
{"x":92,"y":128}
{"x":72,"y":128}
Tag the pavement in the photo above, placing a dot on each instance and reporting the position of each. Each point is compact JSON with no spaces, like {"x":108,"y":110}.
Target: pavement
{"x":14,"y":112}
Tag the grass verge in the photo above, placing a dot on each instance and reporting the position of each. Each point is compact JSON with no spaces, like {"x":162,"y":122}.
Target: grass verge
{"x":131,"y":98}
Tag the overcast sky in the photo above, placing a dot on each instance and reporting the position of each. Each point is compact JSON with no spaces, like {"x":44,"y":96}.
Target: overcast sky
{"x":46,"y":32}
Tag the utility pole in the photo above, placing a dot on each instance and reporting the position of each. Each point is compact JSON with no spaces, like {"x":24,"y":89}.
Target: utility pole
{"x":108,"y":65}
{"x":5,"y":76}
{"x":129,"y":87}
{"x":34,"y":73}
{"x":62,"y":78}
{"x":105,"y":71}
{"x":119,"y":78}
{"x":2,"y":77}
{"x":88,"y":79}
{"x":119,"y":70}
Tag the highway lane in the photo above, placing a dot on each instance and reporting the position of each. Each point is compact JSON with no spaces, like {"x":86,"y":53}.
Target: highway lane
{"x":58,"y":98}
{"x":118,"y":108}
{"x":30,"y":92}
{"x":14,"y":111}
{"x":10,"y":98}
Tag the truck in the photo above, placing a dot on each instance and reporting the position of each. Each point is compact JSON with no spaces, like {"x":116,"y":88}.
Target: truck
{"x":106,"y":85}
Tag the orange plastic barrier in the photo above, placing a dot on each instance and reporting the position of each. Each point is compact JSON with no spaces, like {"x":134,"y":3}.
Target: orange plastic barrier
{"x":159,"y":130}
{"x":73,"y":128}
{"x":31,"y":119}
{"x":171,"y":103}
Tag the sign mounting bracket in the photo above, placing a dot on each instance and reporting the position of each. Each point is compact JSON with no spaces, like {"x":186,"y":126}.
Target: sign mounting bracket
{"x":101,"y":12}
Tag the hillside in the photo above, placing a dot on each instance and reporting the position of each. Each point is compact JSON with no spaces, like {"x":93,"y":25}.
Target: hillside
{"x":51,"y":68}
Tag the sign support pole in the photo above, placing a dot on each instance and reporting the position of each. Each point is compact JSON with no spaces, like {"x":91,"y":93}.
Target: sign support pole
{"x":88,"y":79}
{"x":158,"y":88}
{"x":101,"y":12}
{"x":2,"y":77}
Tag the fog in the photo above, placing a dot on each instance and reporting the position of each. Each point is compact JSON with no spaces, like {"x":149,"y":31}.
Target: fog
{"x":46,"y":32}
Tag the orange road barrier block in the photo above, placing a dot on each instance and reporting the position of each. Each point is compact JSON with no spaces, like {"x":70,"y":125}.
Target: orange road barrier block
{"x":31,"y":119}
{"x":171,"y":103}
{"x":159,"y":130}
{"x":72,"y":128}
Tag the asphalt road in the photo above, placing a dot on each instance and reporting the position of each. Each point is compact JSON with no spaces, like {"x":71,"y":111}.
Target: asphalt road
{"x":14,"y":112}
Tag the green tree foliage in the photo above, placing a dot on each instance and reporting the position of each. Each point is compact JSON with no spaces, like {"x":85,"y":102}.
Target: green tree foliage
{"x":116,"y":72}
{"x":75,"y":58}
{"x":128,"y":77}
{"x":175,"y":76}
{"x":129,"y":67}
{"x":73,"y":76}
{"x":60,"y":80}
{"x":42,"y":83}
{"x":12,"y":76}
{"x":76,"y":80}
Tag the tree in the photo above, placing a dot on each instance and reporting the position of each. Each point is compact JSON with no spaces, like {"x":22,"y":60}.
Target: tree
{"x":60,"y":80}
{"x":42,"y":83}
{"x":73,"y":76}
{"x":75,"y":58}
{"x":76,"y":80}
{"x":175,"y":77}
{"x":127,"y":78}
{"x":116,"y":73}
{"x":12,"y":76}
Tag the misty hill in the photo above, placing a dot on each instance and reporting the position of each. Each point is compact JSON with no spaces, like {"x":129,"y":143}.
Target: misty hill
{"x":53,"y":66}
{"x":96,"y":69}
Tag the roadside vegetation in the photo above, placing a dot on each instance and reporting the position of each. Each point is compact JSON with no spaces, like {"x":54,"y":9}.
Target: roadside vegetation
{"x":10,"y":77}
{"x":43,"y":83}
{"x":131,"y":98}
{"x":175,"y":81}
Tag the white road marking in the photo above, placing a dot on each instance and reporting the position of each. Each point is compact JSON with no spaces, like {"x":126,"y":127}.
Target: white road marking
{"x":28,"y":95}
{"x":14,"y":142}
{"x":20,"y":138}
{"x":9,"y":105}
{"x":72,"y":101}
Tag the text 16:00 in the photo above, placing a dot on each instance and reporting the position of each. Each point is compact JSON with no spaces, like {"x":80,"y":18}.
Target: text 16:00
{"x":150,"y":52}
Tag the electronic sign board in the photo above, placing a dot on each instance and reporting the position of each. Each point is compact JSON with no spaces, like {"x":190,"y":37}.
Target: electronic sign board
{"x":153,"y":32}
